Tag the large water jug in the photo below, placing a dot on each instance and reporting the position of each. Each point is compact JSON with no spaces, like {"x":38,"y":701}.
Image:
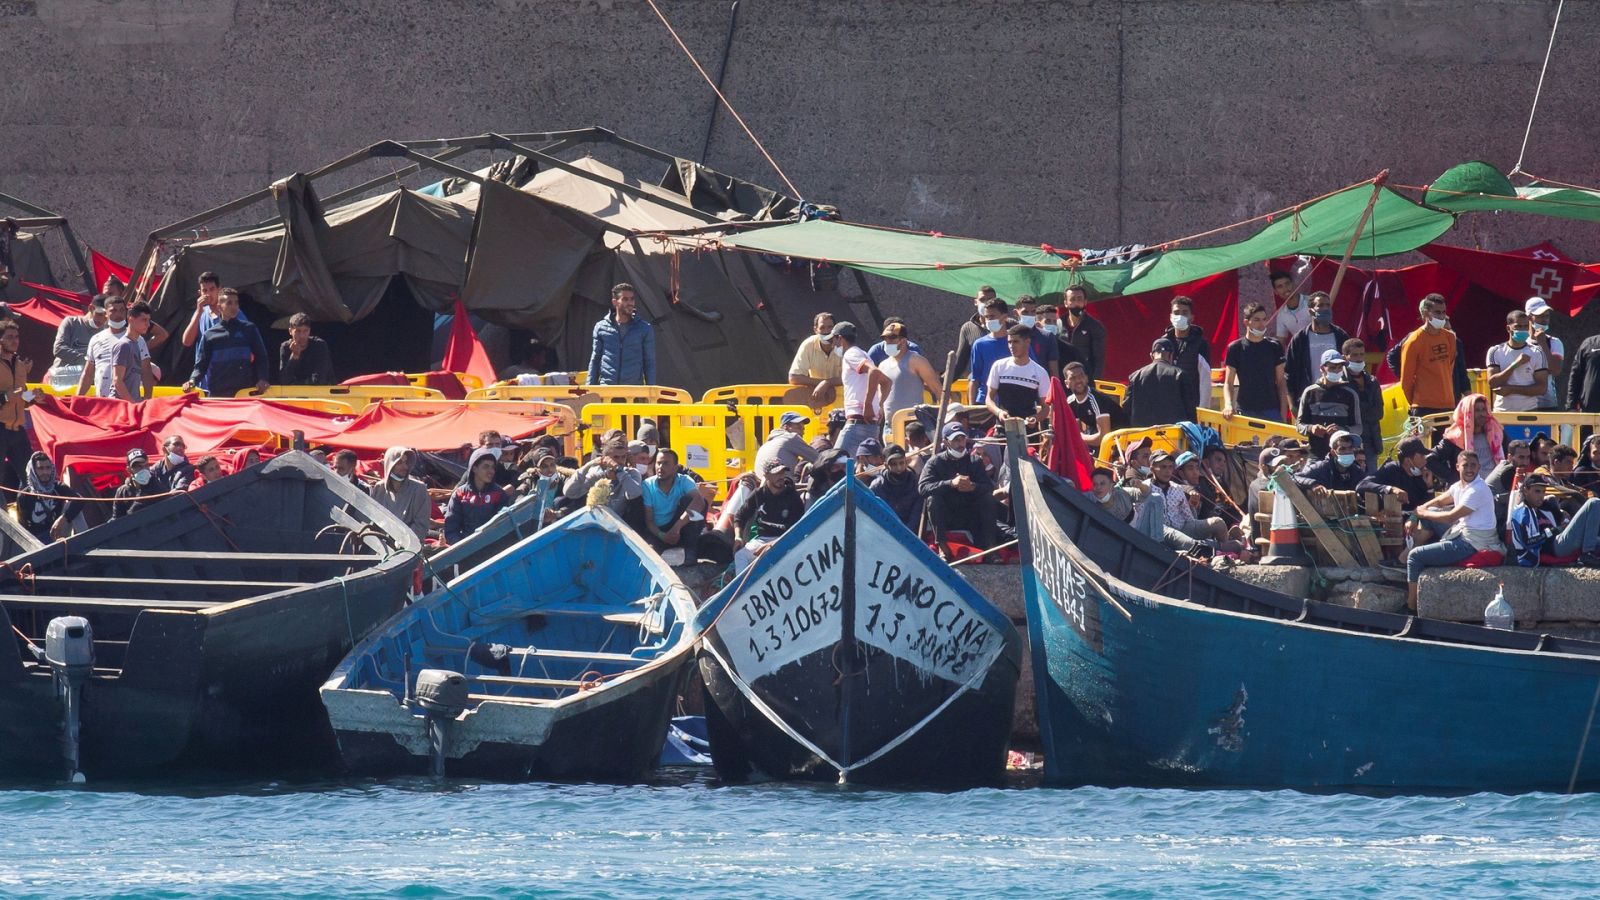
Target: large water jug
{"x":1498,"y":613}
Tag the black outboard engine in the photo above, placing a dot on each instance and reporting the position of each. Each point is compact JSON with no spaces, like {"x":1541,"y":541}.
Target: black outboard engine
{"x":69,"y":651}
{"x":442,"y":694}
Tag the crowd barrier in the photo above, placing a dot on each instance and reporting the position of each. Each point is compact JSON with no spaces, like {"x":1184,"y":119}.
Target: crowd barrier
{"x":1242,"y":429}
{"x":366,"y":393}
{"x":468,"y":381}
{"x":1568,"y":428}
{"x":603,"y":393}
{"x":1162,"y":437}
{"x":759,"y":395}
{"x":714,"y":440}
{"x":161,"y":390}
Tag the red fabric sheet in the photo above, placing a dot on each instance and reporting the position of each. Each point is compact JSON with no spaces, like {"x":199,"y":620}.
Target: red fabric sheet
{"x":1069,"y":455}
{"x":465,"y":352}
{"x":46,"y":310}
{"x":1134,"y":322}
{"x":105,"y":267}
{"x":91,"y":433}
{"x":44,"y":290}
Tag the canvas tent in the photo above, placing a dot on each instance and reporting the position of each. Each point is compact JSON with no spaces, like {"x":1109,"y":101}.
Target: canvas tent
{"x":28,"y":258}
{"x":534,"y":246}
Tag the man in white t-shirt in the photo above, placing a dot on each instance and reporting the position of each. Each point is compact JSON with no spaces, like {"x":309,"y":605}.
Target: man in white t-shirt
{"x":1017,"y":387}
{"x":1517,"y":369}
{"x":1555,"y":353}
{"x":1295,"y":314}
{"x":864,"y":390}
{"x":1467,"y":509}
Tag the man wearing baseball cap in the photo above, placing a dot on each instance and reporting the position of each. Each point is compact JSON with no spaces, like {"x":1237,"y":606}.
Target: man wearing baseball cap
{"x":139,"y":484}
{"x":1328,"y":405}
{"x":1555,"y":352}
{"x":772,"y":509}
{"x":1160,"y":393}
{"x":959,"y":491}
{"x":786,"y":443}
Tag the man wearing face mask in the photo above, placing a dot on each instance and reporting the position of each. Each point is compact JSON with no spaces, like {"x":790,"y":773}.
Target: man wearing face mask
{"x":1306,"y":349}
{"x":1192,"y":351}
{"x":971,"y":331}
{"x":1254,"y":384}
{"x":140,"y":484}
{"x":1084,"y":332}
{"x":1517,"y":369}
{"x":1328,"y":406}
{"x":173,"y":470}
{"x":495,"y":443}
{"x":1405,"y":476}
{"x":1555,"y":352}
{"x":1050,"y":323}
{"x":959,"y":491}
{"x":1369,"y":392}
{"x":1427,"y":361}
{"x":1337,"y":472}
{"x":880,"y":351}
{"x":815,"y":365}
{"x":1041,"y":345}
{"x":401,"y":494}
{"x":909,"y":373}
{"x":987,"y":350}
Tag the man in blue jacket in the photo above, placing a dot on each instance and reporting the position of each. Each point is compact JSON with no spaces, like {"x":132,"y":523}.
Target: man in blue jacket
{"x":230,"y":356}
{"x":624,"y":344}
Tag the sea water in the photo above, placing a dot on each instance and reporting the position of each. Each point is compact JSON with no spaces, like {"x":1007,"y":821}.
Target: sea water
{"x":687,"y":835}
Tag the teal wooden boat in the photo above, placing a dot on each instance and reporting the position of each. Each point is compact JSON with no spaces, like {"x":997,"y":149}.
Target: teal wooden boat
{"x":559,"y":657}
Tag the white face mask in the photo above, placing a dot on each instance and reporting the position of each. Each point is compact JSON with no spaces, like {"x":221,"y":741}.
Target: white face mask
{"x":1356,"y":368}
{"x":175,"y":458}
{"x":1027,"y":320}
{"x":1105,"y":499}
{"x":838,"y":351}
{"x":1144,"y":470}
{"x":642,"y":468}
{"x":994,"y":325}
{"x":1179,"y":323}
{"x":141,"y":477}
{"x":1415,"y":471}
{"x":1257,"y":332}
{"x":494,"y":452}
{"x":1438,"y":323}
{"x":1334,"y":376}
{"x":1051,"y":327}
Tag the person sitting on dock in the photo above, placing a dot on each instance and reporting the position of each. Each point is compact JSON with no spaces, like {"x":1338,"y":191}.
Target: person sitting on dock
{"x":1328,"y":405}
{"x":1115,"y":499}
{"x":1518,"y":461}
{"x":475,"y":500}
{"x":401,"y":494}
{"x":48,"y":508}
{"x":815,"y":365}
{"x":772,"y":509}
{"x":786,"y":443}
{"x":1338,"y":471}
{"x":1472,"y":427}
{"x":1179,"y":502}
{"x":1466,"y":511}
{"x":173,"y":469}
{"x":959,"y":491}
{"x":674,"y":510}
{"x":141,"y":483}
{"x":1533,"y":528}
{"x":1405,"y":476}
{"x":627,"y":487}
{"x":896,"y":485}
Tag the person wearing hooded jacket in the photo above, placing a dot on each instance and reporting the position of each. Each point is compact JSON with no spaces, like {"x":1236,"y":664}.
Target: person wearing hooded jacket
{"x":49,"y":507}
{"x":141,"y":483}
{"x":401,"y":494}
{"x":476,"y":498}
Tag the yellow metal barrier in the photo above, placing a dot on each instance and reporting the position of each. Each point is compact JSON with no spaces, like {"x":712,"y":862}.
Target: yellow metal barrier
{"x":607,"y":393}
{"x":469,"y":381}
{"x":1242,"y":429}
{"x":160,"y":390}
{"x":714,"y":441}
{"x":367,"y":393}
{"x":1162,"y":437}
{"x":1114,"y":389}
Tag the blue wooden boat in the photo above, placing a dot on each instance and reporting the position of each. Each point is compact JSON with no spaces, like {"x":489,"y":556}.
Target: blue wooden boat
{"x":849,"y":652}
{"x":505,"y":528}
{"x":1154,"y":670}
{"x":560,"y":657}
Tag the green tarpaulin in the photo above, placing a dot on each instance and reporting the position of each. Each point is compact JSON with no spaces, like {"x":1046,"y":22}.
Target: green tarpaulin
{"x":1479,"y":187}
{"x":960,"y":265}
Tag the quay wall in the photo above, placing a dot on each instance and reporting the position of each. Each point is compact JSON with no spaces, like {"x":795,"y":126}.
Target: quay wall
{"x":1076,"y":122}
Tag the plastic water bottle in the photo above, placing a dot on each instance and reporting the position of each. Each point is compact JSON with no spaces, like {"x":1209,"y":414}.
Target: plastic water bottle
{"x":1498,"y":613}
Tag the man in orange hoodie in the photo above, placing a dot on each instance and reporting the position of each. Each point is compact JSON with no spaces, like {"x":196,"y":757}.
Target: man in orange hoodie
{"x":1427,"y":361}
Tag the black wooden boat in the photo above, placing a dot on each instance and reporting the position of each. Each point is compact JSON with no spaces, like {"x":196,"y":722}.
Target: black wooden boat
{"x":559,"y":657}
{"x":849,"y":652}
{"x":15,"y":540}
{"x":194,"y":632}
{"x":1154,"y":669}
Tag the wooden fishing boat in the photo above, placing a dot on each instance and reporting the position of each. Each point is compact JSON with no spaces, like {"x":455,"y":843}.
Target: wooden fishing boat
{"x":15,"y":539}
{"x":506,"y":528}
{"x":1155,"y":670}
{"x":849,"y":652}
{"x":194,"y":632}
{"x":560,"y":657}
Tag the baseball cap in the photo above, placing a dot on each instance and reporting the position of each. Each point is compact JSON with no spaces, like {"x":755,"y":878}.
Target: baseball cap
{"x":774,"y":465}
{"x":894,"y":451}
{"x":1184,"y":457}
{"x":894,"y":330}
{"x":951,"y":429}
{"x":1536,"y":306}
{"x":1141,"y":444}
{"x":1340,"y":435}
{"x":1159,"y":456}
{"x":638,"y":447}
{"x":1163,"y":345}
{"x":869,"y":447}
{"x":844,"y":329}
{"x":1330,"y":357}
{"x":137,"y":456}
{"x":1268,"y":455}
{"x":1535,"y":479}
{"x":793,"y":418}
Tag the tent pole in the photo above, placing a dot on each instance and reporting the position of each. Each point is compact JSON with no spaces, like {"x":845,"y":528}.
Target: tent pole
{"x":84,"y":270}
{"x":1350,"y":249}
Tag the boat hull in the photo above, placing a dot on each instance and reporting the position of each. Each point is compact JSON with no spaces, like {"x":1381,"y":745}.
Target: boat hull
{"x":1140,"y":689}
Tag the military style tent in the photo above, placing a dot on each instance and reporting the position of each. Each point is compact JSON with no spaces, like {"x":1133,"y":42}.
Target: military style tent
{"x":533,"y":243}
{"x":25,"y":254}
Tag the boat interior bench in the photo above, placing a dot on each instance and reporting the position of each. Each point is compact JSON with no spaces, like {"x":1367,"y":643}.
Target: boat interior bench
{"x":37,"y":601}
{"x":161,"y":589}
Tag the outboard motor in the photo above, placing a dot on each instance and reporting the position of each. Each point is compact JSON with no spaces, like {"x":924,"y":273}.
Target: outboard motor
{"x":442,"y":694}
{"x":69,"y":651}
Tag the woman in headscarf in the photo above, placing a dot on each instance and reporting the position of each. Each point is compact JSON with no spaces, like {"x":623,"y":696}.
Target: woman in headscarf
{"x":1472,"y":427}
{"x":476,"y":499}
{"x":49,"y":507}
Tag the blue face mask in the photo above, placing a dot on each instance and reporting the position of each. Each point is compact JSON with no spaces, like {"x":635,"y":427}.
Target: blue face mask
{"x":994,"y":325}
{"x":1519,"y":337}
{"x":1345,"y":459}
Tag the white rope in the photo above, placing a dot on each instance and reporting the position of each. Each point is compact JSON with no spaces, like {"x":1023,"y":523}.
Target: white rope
{"x":1527,"y":132}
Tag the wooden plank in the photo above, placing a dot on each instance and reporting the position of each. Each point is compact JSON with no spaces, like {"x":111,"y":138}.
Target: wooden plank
{"x":514,"y":679}
{"x":170,"y":582}
{"x":1327,"y":537}
{"x":1367,"y":541}
{"x":20,"y":600}
{"x":592,"y":656}
{"x":200,"y":558}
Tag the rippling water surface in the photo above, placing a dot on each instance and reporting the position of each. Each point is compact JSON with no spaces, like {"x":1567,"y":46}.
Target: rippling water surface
{"x":688,"y":834}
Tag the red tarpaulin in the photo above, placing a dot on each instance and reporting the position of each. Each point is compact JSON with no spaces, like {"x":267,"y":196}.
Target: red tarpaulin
{"x":1135,"y":321}
{"x":1541,"y":270}
{"x":105,"y":267}
{"x":465,"y":352}
{"x":94,"y":433}
{"x":45,"y":310}
{"x":1069,"y":455}
{"x":44,"y":290}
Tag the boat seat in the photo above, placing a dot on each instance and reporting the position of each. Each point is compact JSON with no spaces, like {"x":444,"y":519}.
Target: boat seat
{"x":517,"y":679}
{"x":43,"y":600}
{"x":207,"y":556}
{"x":594,"y":656}
{"x":618,"y":618}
